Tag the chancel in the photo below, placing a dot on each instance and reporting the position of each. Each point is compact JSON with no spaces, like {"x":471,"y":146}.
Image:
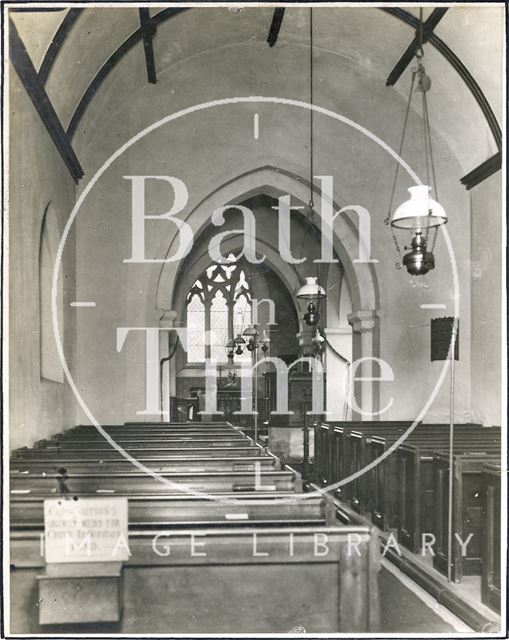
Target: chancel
{"x":255,"y":338}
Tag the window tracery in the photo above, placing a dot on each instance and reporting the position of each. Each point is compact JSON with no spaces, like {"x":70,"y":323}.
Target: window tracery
{"x":218,"y":307}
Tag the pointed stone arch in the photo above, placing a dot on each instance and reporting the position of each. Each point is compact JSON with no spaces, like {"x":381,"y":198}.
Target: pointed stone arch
{"x":274,"y":182}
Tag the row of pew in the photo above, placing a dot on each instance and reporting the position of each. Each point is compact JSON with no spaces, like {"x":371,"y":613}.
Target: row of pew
{"x":407,"y":492}
{"x":273,"y":558}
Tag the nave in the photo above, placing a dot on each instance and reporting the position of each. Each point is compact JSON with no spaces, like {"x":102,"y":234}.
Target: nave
{"x":263,"y":246}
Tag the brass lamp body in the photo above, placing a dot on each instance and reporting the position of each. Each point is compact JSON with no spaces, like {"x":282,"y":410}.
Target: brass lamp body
{"x":419,"y":261}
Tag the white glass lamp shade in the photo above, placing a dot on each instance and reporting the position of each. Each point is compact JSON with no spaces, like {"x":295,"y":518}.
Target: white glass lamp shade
{"x":311,"y":290}
{"x":420,"y":211}
{"x":250,"y":332}
{"x":265,"y":337}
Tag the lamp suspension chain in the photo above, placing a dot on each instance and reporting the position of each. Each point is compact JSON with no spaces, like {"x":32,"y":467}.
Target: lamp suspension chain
{"x":420,"y":212}
{"x":426,"y":137}
{"x":311,"y":123}
{"x":400,"y":150}
{"x":423,"y":88}
{"x":432,"y":164}
{"x":421,"y":40}
{"x":428,"y":148}
{"x":311,"y":215}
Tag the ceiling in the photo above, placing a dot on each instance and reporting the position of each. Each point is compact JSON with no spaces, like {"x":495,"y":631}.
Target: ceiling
{"x":87,"y":54}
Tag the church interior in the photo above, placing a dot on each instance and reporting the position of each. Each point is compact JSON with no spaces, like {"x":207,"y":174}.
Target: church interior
{"x":255,"y":319}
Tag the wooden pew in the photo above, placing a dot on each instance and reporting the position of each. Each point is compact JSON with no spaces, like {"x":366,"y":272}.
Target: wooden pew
{"x":415,"y":496}
{"x":148,"y":434}
{"x":65,"y":438}
{"x":237,"y":509}
{"x":321,"y":454}
{"x":237,"y":591}
{"x":141,"y":454}
{"x":141,"y":425}
{"x":399,"y":487}
{"x":466,"y":512}
{"x":345,"y":577}
{"x":342,"y":450}
{"x":353,"y":461}
{"x":140,"y":442}
{"x":374,"y":426}
{"x":403,"y":486}
{"x":358,"y":448}
{"x":390,"y":502}
{"x":491,"y":537}
{"x":381,"y":481}
{"x":210,"y":427}
{"x":133,"y":483}
{"x":329,"y":450}
{"x":262,"y":462}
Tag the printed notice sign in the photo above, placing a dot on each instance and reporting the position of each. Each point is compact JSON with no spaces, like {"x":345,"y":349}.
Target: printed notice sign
{"x":86,"y":530}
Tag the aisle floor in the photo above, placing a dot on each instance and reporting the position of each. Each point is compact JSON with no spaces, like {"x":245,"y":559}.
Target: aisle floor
{"x":402,"y":611}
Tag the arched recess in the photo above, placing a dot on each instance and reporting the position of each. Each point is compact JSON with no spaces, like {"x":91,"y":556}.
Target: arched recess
{"x":360,"y":277}
{"x":51,"y":368}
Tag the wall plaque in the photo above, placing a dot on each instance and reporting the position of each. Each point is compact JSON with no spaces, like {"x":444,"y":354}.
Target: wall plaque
{"x":441,"y":331}
{"x":86,"y":530}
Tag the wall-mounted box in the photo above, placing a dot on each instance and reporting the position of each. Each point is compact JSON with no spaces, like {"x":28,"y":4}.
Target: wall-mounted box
{"x":80,"y":593}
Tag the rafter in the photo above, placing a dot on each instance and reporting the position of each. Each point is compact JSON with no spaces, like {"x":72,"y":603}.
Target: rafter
{"x":275,"y":26}
{"x":413,"y":47}
{"x":50,"y":119}
{"x":28,"y":75}
{"x":111,"y":63}
{"x":459,"y":67}
{"x":483,"y":171}
{"x":149,"y":30}
{"x":58,"y":40}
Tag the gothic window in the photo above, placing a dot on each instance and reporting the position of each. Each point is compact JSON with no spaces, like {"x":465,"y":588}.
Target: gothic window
{"x":218,"y":308}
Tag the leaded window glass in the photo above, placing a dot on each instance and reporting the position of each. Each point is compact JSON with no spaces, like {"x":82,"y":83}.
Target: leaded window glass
{"x":218,"y":308}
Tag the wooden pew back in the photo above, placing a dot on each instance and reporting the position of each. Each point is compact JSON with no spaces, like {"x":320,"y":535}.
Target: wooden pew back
{"x":491,"y":566}
{"x":466,"y":511}
{"x":237,"y":509}
{"x":321,"y":589}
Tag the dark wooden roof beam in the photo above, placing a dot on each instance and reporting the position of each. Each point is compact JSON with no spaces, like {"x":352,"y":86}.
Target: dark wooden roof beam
{"x":111,"y":63}
{"x":483,"y":171}
{"x":275,"y":26}
{"x":458,"y":66}
{"x":148,"y":28}
{"x":407,"y":57}
{"x":58,"y":40}
{"x":28,"y":75}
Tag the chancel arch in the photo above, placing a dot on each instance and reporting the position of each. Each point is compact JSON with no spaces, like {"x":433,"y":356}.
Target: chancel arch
{"x":273,"y":182}
{"x":361,"y":277}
